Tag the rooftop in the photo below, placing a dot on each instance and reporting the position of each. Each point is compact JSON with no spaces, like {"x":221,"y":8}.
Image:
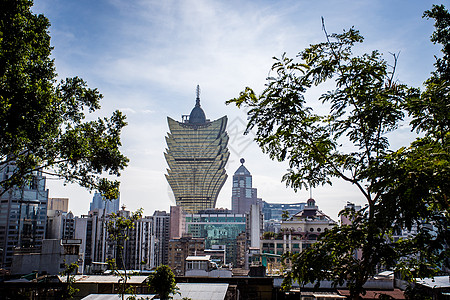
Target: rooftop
{"x":198,"y":258}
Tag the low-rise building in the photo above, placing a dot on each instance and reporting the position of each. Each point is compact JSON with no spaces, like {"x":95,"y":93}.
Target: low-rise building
{"x":180,"y":249}
{"x":299,"y":231}
{"x":202,"y":266}
{"x":218,"y":254}
{"x":51,"y":258}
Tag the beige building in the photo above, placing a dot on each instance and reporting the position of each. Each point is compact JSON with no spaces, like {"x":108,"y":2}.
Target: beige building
{"x":299,"y":231}
{"x":61,"y":204}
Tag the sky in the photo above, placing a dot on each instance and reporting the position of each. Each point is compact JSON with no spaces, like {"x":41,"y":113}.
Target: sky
{"x":147,"y":57}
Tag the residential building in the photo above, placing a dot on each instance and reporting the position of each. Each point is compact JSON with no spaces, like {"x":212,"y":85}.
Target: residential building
{"x":23,"y":212}
{"x":161,"y":233}
{"x":196,"y":155}
{"x":146,"y":247}
{"x":140,"y":245}
{"x":60,"y":225}
{"x":243,"y":194}
{"x":95,"y":248}
{"x":241,"y":250}
{"x":180,"y":249}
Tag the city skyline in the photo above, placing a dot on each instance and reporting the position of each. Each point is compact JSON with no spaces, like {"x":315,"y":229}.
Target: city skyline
{"x":147,"y":57}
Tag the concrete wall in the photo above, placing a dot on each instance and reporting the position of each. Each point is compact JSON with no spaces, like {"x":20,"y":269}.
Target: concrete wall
{"x":51,"y":259}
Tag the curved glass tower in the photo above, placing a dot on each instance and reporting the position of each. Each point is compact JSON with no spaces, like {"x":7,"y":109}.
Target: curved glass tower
{"x":196,"y":154}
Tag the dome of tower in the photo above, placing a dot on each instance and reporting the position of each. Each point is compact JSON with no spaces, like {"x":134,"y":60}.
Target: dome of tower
{"x":197,"y":115}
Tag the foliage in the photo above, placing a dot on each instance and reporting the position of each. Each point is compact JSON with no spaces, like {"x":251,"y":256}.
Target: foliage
{"x":70,"y":280}
{"x":267,"y":235}
{"x":285,"y":215}
{"x":42,"y":124}
{"x":163,"y":282}
{"x":404,"y":188}
{"x":415,"y":292}
{"x":118,"y":228}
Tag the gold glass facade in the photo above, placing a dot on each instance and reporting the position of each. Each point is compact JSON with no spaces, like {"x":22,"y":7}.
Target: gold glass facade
{"x":196,"y":154}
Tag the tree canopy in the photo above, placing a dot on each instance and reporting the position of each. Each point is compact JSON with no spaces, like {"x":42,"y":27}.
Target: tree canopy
{"x":405,"y":188}
{"x":43,"y":123}
{"x":163,"y":282}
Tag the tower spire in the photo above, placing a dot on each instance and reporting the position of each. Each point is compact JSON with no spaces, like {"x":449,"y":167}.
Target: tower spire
{"x":197,"y":101}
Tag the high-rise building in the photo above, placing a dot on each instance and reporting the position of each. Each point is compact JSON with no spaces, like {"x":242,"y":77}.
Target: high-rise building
{"x":60,"y":225}
{"x":196,"y":154}
{"x":243,"y":194}
{"x":161,"y":233}
{"x":110,"y":206}
{"x":23,"y":212}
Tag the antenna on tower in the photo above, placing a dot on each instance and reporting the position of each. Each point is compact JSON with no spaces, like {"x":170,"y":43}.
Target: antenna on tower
{"x":197,"y":102}
{"x":310,"y":191}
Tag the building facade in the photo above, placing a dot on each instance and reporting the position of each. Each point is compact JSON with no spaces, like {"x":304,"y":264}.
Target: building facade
{"x":61,"y":204}
{"x":161,"y":233}
{"x":218,"y":229}
{"x":23,"y":213}
{"x":180,"y":249}
{"x":109,"y":206}
{"x":196,"y":155}
{"x":60,"y":225}
{"x":146,"y":247}
{"x":243,"y":194}
{"x":298,"y":232}
{"x":274,"y":211}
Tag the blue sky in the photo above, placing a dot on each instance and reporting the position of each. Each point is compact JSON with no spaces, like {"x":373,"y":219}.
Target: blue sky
{"x":147,"y":57}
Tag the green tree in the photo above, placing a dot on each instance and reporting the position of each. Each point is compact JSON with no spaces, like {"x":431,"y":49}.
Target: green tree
{"x":42,"y":123}
{"x":70,"y":271}
{"x":285,"y":215}
{"x":118,"y":228}
{"x":403,"y":188}
{"x":163,"y":282}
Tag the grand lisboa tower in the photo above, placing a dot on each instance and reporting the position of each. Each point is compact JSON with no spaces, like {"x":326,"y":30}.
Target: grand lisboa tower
{"x":196,"y":154}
